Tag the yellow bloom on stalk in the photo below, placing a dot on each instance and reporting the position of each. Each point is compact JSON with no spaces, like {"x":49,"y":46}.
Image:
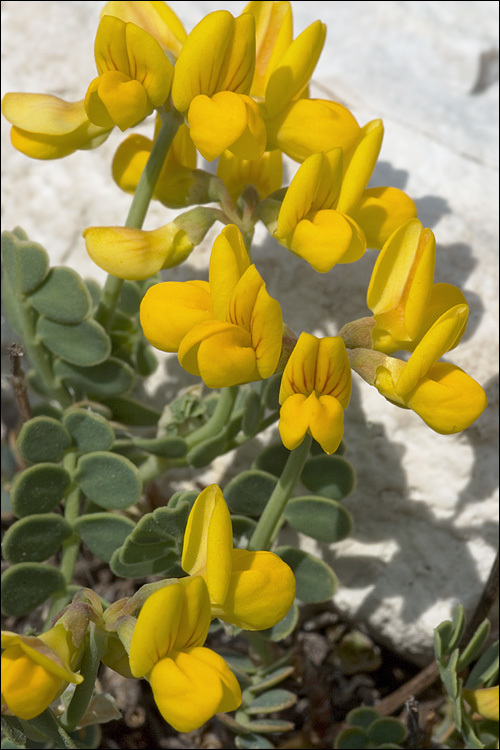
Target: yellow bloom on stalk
{"x":264,"y":174}
{"x":36,"y":670}
{"x":228,"y":330}
{"x":442,"y":394}
{"x":137,"y":254}
{"x":315,"y":391}
{"x":316,"y":219}
{"x":484,"y":701}
{"x":135,"y":76}
{"x":402,"y":295}
{"x":252,"y":590}
{"x":176,"y":176}
{"x":190,"y":683}
{"x":212,"y":80}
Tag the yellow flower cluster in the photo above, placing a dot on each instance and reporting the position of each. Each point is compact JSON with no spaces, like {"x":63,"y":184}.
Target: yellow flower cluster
{"x":164,"y":643}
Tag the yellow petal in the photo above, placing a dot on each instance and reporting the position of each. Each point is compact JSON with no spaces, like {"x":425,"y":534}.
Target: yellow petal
{"x":326,"y":421}
{"x":243,"y":299}
{"x":360,"y":166}
{"x":299,"y":375}
{"x":401,"y":282}
{"x":310,"y":126}
{"x":110,"y":47}
{"x":443,"y":297}
{"x":191,"y":687}
{"x":295,"y":68}
{"x":333,"y":371}
{"x":220,"y":353}
{"x":217,"y":123}
{"x":300,"y":196}
{"x":266,"y":330}
{"x":261,"y":591}
{"x":46,"y":127}
{"x":156,"y":629}
{"x":148,"y":64}
{"x":208,"y":542}
{"x":447,"y":399}
{"x":237,"y":72}
{"x":116,"y":99}
{"x":484,"y":701}
{"x":154,"y":17}
{"x":264,"y":173}
{"x":294,"y":421}
{"x":228,"y":262}
{"x":381,"y":211}
{"x":252,"y":142}
{"x":135,"y":253}
{"x":27,"y":687}
{"x":329,"y":237}
{"x":195,"y":614}
{"x":171,"y":309}
{"x":198,"y":68}
{"x":441,"y":337}
{"x":273,"y":36}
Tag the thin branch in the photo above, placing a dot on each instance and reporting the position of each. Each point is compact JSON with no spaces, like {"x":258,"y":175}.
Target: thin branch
{"x":16,"y":352}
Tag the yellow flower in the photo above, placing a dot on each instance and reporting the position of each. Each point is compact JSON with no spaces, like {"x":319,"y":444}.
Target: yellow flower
{"x":316,"y":221}
{"x":484,"y":701}
{"x":190,"y":683}
{"x":156,"y":18}
{"x":229,"y":330}
{"x":252,"y":590}
{"x":264,"y":173}
{"x":134,"y":77}
{"x":36,"y":670}
{"x":315,"y":391}
{"x":212,"y":79}
{"x":46,"y":127}
{"x":443,"y":395}
{"x":402,"y":296}
{"x":137,"y":254}
{"x":176,"y":176}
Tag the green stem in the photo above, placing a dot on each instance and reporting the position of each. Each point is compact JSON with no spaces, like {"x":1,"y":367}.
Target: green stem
{"x":219,"y":418}
{"x":70,"y":545}
{"x":271,"y":517}
{"x":139,"y":207}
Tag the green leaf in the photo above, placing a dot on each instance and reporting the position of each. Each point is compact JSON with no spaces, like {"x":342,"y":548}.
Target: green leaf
{"x":110,"y":378}
{"x":103,"y":533}
{"x":11,"y":304}
{"x":84,"y":344}
{"x":476,"y":643}
{"x":247,"y":494}
{"x":442,"y":635}
{"x":322,"y":519}
{"x":156,"y":534}
{"x":272,"y":459}
{"x":252,"y":741}
{"x":38,"y":489}
{"x":183,"y":496}
{"x":252,"y":413}
{"x":146,"y":359}
{"x":27,"y":585}
{"x":94,"y":290}
{"x":272,"y":700}
{"x":457,"y":628}
{"x":109,"y":480}
{"x":283,"y":628}
{"x":165,"y":565}
{"x":26,"y":262}
{"x":449,"y":675}
{"x":352,"y":738}
{"x":205,"y":452}
{"x":269,"y":726}
{"x":329,"y":476}
{"x":362,"y":717}
{"x":130,"y":298}
{"x":62,"y":297}
{"x":387,"y":729}
{"x":12,"y":729}
{"x":90,"y":431}
{"x":129,"y":411}
{"x":35,"y":538}
{"x":271,"y":392}
{"x":485,"y":669}
{"x":272,"y":678}
{"x":316,"y":581}
{"x":42,"y":439}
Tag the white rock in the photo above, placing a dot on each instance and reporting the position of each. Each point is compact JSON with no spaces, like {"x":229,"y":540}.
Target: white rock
{"x":425,"y":506}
